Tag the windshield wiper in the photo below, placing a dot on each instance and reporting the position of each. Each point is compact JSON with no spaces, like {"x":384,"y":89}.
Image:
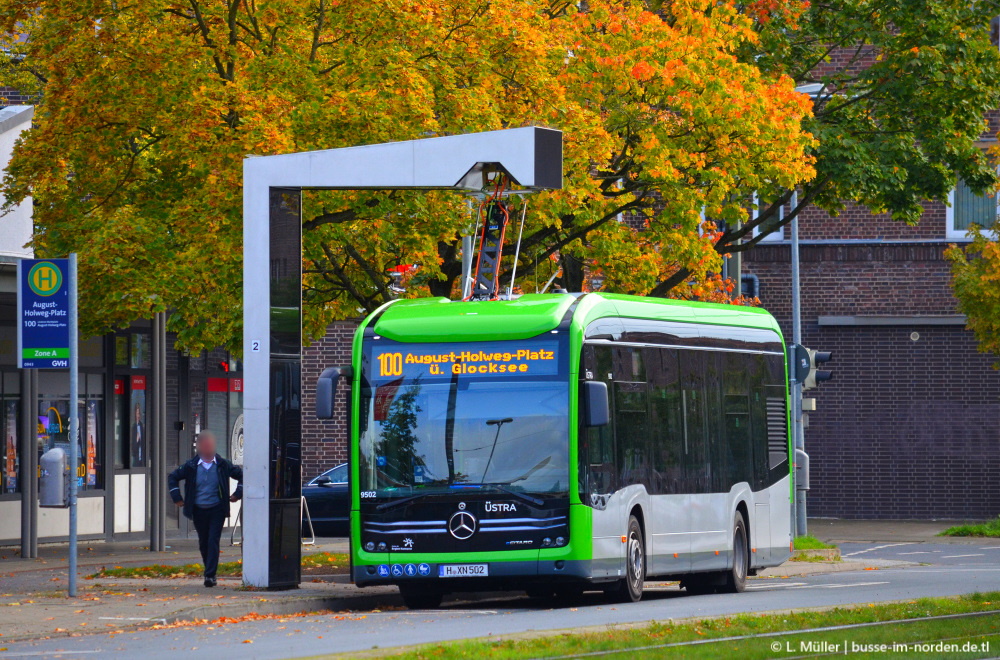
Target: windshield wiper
{"x":527,"y":499}
{"x":385,"y":506}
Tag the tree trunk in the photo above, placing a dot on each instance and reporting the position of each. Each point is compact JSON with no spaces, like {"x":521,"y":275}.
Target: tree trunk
{"x":572,"y":272}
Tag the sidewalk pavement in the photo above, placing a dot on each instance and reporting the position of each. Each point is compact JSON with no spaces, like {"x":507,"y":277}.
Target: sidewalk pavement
{"x":34,"y":604}
{"x":832,"y":530}
{"x":33,"y":601}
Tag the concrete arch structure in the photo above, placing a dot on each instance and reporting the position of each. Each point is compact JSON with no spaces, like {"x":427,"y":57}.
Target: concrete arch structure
{"x":272,"y":298}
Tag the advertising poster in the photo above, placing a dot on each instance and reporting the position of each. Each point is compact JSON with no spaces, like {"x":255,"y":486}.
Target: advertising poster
{"x":92,"y":430}
{"x":138,"y":414}
{"x":10,"y":457}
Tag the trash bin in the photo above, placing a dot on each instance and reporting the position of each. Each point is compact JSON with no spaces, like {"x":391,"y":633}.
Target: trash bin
{"x":53,"y":485}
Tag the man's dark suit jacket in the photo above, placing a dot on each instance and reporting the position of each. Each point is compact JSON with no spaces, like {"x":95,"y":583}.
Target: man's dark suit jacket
{"x":188,"y":473}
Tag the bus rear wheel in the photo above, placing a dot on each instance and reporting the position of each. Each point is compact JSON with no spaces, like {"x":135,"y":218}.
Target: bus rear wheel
{"x":736,"y":577}
{"x":416,"y":598}
{"x":629,"y":590}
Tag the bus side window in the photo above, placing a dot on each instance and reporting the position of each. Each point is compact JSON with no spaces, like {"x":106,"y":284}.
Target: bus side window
{"x":757,"y":372}
{"x":736,"y":412}
{"x":718,"y":450}
{"x":697,"y":477}
{"x":631,"y":425}
{"x":666,"y":428}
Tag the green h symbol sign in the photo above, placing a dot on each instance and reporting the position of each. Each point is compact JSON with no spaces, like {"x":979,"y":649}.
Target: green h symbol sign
{"x":45,"y":278}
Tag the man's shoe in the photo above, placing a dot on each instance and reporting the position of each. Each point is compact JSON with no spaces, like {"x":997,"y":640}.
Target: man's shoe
{"x":209,"y":582}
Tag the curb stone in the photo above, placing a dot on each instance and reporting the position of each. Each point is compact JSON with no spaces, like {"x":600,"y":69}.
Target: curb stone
{"x":827,"y":554}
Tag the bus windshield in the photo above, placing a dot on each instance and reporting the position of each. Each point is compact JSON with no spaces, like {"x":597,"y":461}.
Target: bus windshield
{"x":438,"y":418}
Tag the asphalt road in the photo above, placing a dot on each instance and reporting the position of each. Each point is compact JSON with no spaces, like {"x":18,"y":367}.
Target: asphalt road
{"x":978,"y":552}
{"x":947,"y":569}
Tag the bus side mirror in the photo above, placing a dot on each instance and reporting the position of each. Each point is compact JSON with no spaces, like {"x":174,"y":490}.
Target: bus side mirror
{"x":594,"y":400}
{"x":326,"y":390}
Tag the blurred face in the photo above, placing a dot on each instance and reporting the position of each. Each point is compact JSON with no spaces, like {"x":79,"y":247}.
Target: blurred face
{"x":138,"y":414}
{"x":206,"y":445}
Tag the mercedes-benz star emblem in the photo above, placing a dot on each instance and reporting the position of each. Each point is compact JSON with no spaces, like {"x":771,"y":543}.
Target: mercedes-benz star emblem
{"x":462,"y":525}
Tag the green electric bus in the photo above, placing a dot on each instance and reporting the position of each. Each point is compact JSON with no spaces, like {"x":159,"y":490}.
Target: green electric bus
{"x":564,"y":442}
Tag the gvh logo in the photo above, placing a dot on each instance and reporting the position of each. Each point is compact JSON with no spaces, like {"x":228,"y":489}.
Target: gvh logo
{"x":500,"y":507}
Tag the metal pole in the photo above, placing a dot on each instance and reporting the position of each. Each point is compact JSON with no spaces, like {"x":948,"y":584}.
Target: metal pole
{"x":33,"y":461}
{"x":517,"y":252}
{"x":466,"y":266}
{"x":74,"y":421}
{"x":28,"y":448}
{"x":157,"y":451}
{"x":151,"y":439}
{"x":736,"y":264}
{"x":161,"y":430}
{"x":797,"y":429}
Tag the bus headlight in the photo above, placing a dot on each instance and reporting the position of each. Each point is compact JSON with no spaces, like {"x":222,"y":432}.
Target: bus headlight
{"x":560,"y":540}
{"x":370,"y":546}
{"x":382,"y":547}
{"x":546,"y":542}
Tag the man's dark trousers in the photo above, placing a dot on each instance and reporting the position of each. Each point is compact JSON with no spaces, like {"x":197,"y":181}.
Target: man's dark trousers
{"x":209,"y":523}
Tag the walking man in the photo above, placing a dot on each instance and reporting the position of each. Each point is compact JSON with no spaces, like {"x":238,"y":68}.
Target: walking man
{"x":206,"y":497}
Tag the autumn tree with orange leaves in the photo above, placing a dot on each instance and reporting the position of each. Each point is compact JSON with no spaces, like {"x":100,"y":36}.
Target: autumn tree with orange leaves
{"x":146,"y":110}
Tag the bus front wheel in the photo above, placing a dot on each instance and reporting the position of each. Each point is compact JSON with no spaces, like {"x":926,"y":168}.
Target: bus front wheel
{"x":417,"y":598}
{"x":629,"y":590}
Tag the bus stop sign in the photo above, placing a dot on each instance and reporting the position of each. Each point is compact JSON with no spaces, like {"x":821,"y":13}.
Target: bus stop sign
{"x":43,"y":318}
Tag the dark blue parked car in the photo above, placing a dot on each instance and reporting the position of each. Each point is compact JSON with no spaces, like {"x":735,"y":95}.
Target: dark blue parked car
{"x":329,"y":503}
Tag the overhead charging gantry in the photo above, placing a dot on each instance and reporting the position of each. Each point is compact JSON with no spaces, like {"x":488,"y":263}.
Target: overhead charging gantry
{"x":529,"y":158}
{"x":492,"y":220}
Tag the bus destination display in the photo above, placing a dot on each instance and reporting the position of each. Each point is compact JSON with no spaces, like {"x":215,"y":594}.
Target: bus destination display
{"x":534,"y":358}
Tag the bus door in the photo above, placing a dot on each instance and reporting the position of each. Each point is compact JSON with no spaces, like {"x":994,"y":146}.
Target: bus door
{"x":671,"y":418}
{"x":599,"y":477}
{"x":600,"y":482}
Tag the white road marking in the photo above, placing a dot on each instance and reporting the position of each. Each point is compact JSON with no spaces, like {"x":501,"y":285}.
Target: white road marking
{"x":959,"y":556}
{"x":856,"y":584}
{"x":777,"y":585}
{"x":838,"y":585}
{"x":877,"y":547}
{"x":36,"y":654}
{"x":445,"y":609}
{"x":917,"y":552}
{"x":992,"y":547}
{"x":930,"y":569}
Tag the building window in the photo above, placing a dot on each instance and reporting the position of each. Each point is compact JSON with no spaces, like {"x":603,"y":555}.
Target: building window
{"x":775,"y":236}
{"x":965,"y":208}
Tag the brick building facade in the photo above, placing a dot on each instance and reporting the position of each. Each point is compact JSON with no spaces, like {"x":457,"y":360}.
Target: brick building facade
{"x":907,"y":427}
{"x":324,"y":442}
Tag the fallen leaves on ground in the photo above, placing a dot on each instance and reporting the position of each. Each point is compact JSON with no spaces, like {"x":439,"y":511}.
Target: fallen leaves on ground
{"x":281,"y":618}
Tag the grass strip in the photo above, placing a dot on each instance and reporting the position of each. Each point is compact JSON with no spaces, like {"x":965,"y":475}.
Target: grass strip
{"x":811,"y":543}
{"x":751,"y":636}
{"x":226,"y":569}
{"x":989,"y":529}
